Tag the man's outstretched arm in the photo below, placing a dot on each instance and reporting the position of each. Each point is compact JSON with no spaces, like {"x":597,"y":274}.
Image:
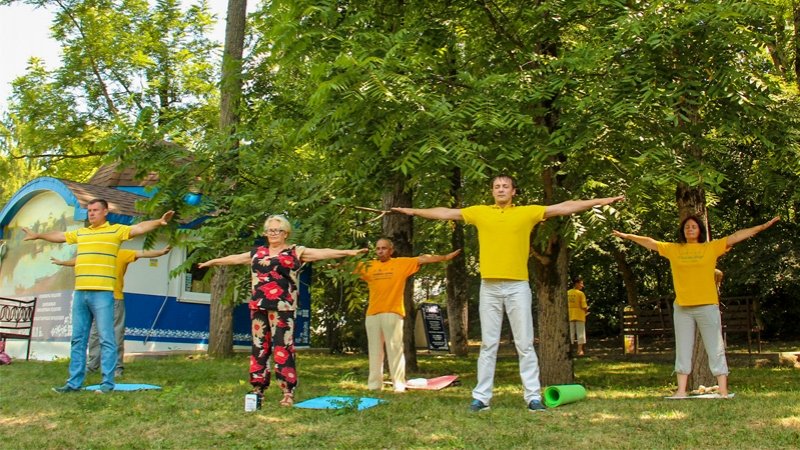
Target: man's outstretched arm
{"x":51,"y":236}
{"x":150,"y":225}
{"x":63,"y":262}
{"x":152,"y":253}
{"x":427,"y":259}
{"x":432,"y":213}
{"x":570,"y":207}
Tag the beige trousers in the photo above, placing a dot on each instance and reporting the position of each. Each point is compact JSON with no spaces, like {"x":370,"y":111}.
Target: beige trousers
{"x":386,"y":329}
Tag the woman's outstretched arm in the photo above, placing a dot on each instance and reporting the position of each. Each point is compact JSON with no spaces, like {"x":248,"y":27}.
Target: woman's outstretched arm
{"x":644,"y":241}
{"x":747,"y":233}
{"x":230,"y":260}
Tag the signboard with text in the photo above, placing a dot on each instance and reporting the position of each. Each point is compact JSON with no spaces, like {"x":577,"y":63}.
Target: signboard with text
{"x":435,"y":329}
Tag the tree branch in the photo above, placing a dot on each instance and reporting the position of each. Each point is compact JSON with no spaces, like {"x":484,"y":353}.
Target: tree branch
{"x":93,"y":62}
{"x":59,"y":156}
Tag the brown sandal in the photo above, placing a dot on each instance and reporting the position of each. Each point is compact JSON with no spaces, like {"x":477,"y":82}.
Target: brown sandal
{"x":288,"y":399}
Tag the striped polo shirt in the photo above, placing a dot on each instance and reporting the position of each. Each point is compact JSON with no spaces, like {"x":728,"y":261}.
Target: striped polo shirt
{"x":96,"y":261}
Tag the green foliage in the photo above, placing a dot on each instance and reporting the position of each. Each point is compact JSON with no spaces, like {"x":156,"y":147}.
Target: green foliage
{"x":576,"y":99}
{"x":123,"y":63}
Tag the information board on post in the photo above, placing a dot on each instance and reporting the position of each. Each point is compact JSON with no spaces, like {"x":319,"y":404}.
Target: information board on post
{"x":302,"y":321}
{"x":435,"y":330}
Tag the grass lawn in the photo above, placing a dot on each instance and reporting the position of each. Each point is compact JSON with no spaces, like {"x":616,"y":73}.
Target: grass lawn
{"x":202,"y":406}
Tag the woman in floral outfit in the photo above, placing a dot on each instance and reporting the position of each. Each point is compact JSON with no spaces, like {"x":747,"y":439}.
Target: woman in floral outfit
{"x":274,"y":269}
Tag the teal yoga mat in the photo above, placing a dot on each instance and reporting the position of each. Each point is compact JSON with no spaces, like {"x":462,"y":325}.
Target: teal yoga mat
{"x":333,"y":402}
{"x":128,"y":387}
{"x":561,"y":394}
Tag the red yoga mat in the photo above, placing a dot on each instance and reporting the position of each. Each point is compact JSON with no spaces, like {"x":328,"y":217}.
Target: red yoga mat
{"x":434,"y":384}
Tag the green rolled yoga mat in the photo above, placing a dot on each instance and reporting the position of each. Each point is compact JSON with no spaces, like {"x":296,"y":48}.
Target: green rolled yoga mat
{"x":561,"y":394}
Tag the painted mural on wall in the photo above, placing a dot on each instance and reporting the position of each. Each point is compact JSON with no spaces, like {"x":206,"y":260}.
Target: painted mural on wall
{"x":26,"y":271}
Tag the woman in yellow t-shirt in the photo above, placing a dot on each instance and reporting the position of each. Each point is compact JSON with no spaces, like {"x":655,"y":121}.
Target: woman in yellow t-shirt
{"x":693,"y":261}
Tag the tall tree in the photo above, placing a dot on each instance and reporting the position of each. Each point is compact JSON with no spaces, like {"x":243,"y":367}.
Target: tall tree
{"x":362,"y":103}
{"x":399,"y":228}
{"x":457,"y":311}
{"x":220,"y":339}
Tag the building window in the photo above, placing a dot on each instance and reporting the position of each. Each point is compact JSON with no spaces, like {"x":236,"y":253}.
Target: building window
{"x":196,"y":286}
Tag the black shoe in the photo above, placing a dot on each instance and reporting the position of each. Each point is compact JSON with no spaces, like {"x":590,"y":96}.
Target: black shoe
{"x":536,"y":406}
{"x":66,"y":389}
{"x":478,"y":406}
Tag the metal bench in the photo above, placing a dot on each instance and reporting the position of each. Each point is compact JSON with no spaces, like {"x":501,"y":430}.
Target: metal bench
{"x":651,"y":317}
{"x":740,"y":315}
{"x":16,"y":320}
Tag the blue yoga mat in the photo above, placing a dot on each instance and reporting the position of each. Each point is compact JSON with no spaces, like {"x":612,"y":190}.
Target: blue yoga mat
{"x":128,"y":387}
{"x":331,"y":402}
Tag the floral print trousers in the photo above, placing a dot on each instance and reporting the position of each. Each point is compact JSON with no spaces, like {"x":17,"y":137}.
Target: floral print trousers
{"x":273,"y":335}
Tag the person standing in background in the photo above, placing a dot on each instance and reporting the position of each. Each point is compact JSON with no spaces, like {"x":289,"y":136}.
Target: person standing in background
{"x":577,"y":314}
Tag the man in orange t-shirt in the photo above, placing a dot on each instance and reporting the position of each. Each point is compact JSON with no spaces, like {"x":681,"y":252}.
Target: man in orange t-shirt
{"x":386,"y":278}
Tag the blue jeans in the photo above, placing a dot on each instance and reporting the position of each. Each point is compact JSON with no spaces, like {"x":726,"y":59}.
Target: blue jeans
{"x":88,"y":305}
{"x":119,"y":334}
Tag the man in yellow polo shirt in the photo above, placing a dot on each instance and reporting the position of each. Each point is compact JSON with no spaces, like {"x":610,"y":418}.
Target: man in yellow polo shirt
{"x":504,"y":231}
{"x":124,"y":258}
{"x":386,"y":278}
{"x":95,"y":265}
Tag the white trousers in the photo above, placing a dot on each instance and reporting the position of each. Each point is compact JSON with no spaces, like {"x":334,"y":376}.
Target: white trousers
{"x":577,"y":331}
{"x":515,"y":298}
{"x":385,"y":329}
{"x":707,"y":320}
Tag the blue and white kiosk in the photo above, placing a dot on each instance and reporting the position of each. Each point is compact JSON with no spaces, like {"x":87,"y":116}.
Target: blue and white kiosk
{"x":163,"y":313}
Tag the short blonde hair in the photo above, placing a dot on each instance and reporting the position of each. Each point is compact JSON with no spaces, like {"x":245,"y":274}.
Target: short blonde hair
{"x":285,"y":225}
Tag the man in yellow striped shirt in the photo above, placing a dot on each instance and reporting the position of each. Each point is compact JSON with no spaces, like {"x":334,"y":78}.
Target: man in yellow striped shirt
{"x":124,"y":257}
{"x":95,"y":277}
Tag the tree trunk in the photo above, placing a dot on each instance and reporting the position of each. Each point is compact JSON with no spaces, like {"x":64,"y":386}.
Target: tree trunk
{"x":220,"y":341}
{"x":556,"y":365}
{"x":333,"y":295}
{"x":399,"y":228}
{"x":551,"y":271}
{"x":220,"y":327}
{"x":231,"y":85}
{"x":692,"y":201}
{"x":796,"y":20}
{"x":628,"y":278}
{"x":457,"y":278}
